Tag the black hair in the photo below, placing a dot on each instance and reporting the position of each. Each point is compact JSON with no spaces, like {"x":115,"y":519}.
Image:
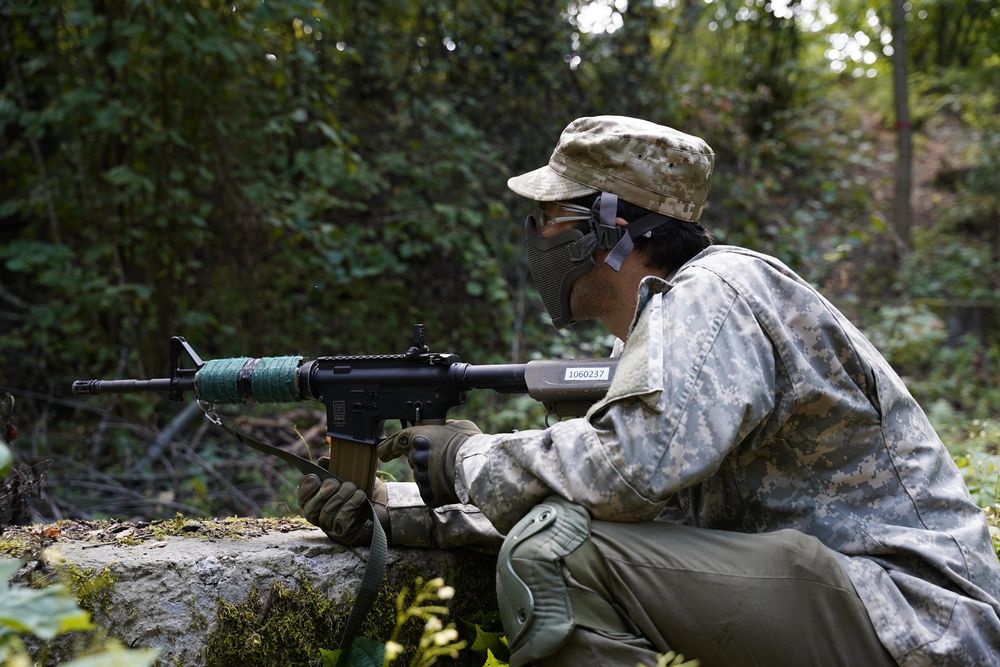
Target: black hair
{"x":670,"y":245}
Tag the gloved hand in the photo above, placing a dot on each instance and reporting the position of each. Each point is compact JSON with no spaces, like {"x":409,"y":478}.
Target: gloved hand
{"x":431,"y":450}
{"x":339,"y":508}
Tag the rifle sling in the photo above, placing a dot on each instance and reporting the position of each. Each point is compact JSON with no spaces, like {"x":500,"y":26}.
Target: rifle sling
{"x":371,"y":581}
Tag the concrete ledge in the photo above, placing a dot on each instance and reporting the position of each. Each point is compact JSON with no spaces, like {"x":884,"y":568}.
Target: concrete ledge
{"x":206,"y":597}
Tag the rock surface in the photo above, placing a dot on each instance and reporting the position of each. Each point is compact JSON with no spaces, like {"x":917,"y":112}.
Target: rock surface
{"x":168,"y":590}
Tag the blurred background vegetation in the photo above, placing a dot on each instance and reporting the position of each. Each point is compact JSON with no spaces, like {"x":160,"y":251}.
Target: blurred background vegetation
{"x":312,"y":177}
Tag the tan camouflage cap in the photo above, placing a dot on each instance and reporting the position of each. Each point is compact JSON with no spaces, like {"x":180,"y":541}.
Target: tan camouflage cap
{"x":649,"y":165}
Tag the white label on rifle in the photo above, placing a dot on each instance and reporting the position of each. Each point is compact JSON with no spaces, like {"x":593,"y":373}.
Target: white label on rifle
{"x":588,"y":374}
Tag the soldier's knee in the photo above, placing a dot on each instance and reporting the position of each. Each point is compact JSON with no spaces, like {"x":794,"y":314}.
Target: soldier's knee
{"x":534,"y":601}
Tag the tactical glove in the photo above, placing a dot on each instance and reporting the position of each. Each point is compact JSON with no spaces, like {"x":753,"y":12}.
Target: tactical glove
{"x":339,"y":508}
{"x":431,"y":451}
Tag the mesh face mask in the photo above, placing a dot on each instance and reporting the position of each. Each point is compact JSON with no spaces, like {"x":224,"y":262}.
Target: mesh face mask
{"x":557,"y":261}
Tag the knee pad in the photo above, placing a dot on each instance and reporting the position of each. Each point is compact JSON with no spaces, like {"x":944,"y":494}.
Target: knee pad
{"x":534,"y":601}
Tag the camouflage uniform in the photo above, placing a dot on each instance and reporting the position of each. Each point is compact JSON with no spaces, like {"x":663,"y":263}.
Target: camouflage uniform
{"x":744,"y":401}
{"x":413,"y":524}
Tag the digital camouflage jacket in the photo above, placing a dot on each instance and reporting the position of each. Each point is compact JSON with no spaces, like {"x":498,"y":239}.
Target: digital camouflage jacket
{"x":745,"y":401}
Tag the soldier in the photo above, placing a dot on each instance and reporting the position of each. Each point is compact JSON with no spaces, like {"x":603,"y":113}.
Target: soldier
{"x":757,"y":486}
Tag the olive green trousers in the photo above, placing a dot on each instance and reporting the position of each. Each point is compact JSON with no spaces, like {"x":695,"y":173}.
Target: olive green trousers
{"x":721,"y":597}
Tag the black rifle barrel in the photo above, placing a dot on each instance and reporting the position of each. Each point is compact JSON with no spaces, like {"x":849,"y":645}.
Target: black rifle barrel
{"x":504,"y":378}
{"x":130,"y":386}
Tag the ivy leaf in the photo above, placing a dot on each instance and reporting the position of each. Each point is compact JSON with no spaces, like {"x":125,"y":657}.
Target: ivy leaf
{"x":5,"y":461}
{"x":118,"y":657}
{"x":491,"y":643}
{"x":118,"y":58}
{"x":7,"y":569}
{"x":492,"y":661}
{"x":365,"y":652}
{"x":44,"y":613}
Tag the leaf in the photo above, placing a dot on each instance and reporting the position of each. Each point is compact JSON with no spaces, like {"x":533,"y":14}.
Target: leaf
{"x":118,"y":58}
{"x":44,"y":613}
{"x":365,"y":652}
{"x":7,"y":569}
{"x":492,"y":661}
{"x":118,"y":657}
{"x":329,"y":657}
{"x":9,"y":208}
{"x":124,"y":176}
{"x":492,"y":643}
{"x":330,"y":133}
{"x":5,"y":461}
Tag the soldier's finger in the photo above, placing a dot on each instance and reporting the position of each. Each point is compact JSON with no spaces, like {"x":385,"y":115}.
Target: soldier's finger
{"x":394,"y":446}
{"x":328,"y":515}
{"x":307,"y":487}
{"x":352,"y":514}
{"x":312,"y":508}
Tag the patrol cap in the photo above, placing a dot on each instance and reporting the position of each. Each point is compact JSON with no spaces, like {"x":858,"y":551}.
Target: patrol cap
{"x":650,"y":165}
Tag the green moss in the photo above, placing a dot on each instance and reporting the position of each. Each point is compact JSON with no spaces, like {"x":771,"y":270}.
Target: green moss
{"x":288,"y":627}
{"x":92,"y":588}
{"x":199,"y":622}
{"x":230,"y":528}
{"x":15,"y":547}
{"x":278,"y":627}
{"x":285,"y":626}
{"x":168,"y":527}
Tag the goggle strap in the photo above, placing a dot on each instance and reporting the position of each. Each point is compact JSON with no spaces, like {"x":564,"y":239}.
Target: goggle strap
{"x":619,"y":252}
{"x":643,"y":225}
{"x":609,"y":208}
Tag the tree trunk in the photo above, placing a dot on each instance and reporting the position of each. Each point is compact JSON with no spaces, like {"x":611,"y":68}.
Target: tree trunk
{"x":904,"y":131}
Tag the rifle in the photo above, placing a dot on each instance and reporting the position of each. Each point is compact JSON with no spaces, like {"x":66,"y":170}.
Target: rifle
{"x":361,"y":393}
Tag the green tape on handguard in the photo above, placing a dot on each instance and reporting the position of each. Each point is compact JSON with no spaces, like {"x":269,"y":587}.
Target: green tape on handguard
{"x":274,"y":380}
{"x":215,"y":382}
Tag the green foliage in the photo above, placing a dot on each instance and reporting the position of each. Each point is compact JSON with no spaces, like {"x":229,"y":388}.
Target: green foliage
{"x":425,"y":605}
{"x":47,"y":613}
{"x":975,"y":447}
{"x":117,"y":656}
{"x":313,"y":177}
{"x":6,"y":459}
{"x":993,"y":519}
{"x":365,"y":652}
{"x":967,"y":375}
{"x":908,"y":335}
{"x":489,"y":640}
{"x":947,"y":266}
{"x":673,"y":659}
{"x":964,"y":374}
{"x":493,"y":661}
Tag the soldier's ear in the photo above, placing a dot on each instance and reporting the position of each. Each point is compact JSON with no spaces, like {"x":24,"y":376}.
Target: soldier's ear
{"x":621,"y":222}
